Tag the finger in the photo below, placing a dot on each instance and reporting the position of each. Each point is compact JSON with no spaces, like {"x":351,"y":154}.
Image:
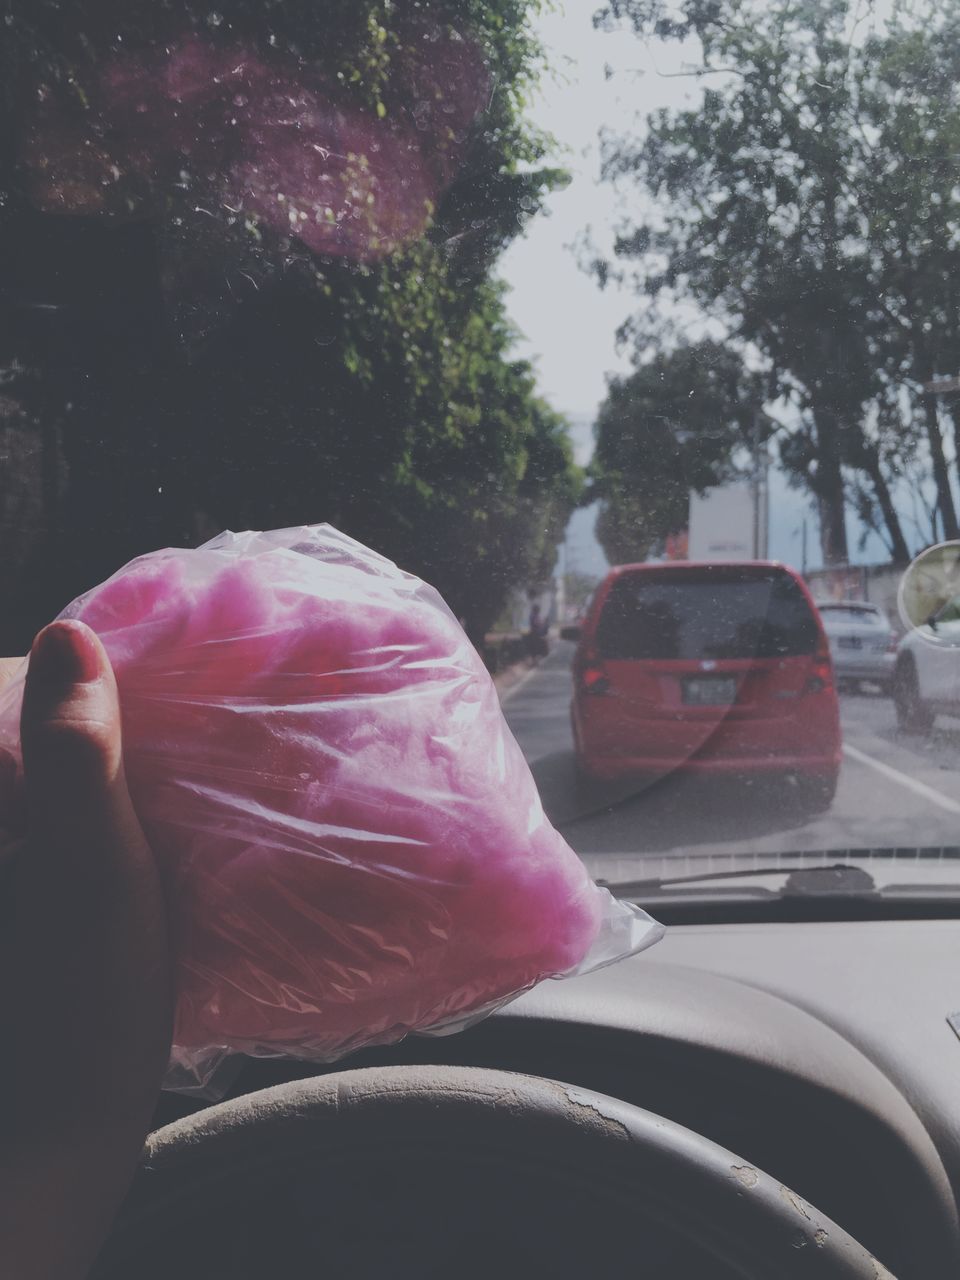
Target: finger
{"x":77,"y":801}
{"x":70,"y":728}
{"x":90,"y":868}
{"x":88,"y":1003}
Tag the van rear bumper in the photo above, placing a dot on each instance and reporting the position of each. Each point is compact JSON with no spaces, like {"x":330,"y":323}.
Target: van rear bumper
{"x":610,"y":745}
{"x":611,"y":768}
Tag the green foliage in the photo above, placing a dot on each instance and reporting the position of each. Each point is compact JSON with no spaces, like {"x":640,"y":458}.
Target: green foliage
{"x":807,"y":203}
{"x":672,"y":425}
{"x":578,"y":588}
{"x":207,"y":368}
{"x":411,"y":430}
{"x":359,"y":49}
{"x":908,"y":137}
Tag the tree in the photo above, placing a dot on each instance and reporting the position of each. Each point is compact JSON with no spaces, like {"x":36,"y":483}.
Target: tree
{"x":674,"y":424}
{"x":907,"y":133}
{"x":761,"y":221}
{"x":578,"y":587}
{"x":246,"y":256}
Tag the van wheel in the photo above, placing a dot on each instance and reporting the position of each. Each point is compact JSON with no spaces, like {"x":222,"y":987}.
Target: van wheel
{"x":913,"y":714}
{"x":589,"y":791}
{"x":817,"y":794}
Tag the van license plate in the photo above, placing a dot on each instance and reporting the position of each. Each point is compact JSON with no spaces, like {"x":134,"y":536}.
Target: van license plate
{"x":709,"y":692}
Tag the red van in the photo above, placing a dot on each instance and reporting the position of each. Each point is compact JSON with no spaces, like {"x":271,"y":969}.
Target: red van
{"x":718,"y":668}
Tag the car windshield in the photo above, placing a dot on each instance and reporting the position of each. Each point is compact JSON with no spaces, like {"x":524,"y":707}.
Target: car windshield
{"x":630,"y":326}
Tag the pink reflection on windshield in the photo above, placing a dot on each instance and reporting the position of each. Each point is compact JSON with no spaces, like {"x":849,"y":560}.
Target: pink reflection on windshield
{"x":263,"y":138}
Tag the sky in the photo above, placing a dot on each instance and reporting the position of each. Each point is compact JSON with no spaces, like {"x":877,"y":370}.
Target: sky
{"x":613,"y":80}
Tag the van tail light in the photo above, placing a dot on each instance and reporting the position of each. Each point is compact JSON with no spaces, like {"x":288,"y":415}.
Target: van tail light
{"x":893,"y":644}
{"x":593,"y":677}
{"x":821,"y":671}
{"x":594,"y":680}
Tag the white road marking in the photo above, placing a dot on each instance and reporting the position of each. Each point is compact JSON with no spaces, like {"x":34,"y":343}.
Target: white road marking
{"x":912,"y":784}
{"x":515,"y":688}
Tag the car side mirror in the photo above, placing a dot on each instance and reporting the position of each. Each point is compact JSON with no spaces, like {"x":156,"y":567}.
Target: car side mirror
{"x":570,"y":633}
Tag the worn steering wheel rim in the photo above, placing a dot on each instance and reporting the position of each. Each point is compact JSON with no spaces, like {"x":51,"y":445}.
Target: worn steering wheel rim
{"x":654,"y":1168}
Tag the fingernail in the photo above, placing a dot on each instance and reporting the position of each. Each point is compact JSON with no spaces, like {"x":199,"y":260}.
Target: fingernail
{"x":66,"y":653}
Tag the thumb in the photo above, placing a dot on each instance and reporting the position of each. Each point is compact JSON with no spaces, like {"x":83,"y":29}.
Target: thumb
{"x":71,"y":740}
{"x":86,"y":987}
{"x":89,"y":886}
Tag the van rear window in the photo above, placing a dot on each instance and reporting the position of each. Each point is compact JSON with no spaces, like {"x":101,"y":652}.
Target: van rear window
{"x":660,"y":616}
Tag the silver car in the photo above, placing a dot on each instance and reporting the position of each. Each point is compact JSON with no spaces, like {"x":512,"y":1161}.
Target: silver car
{"x":862,"y":642}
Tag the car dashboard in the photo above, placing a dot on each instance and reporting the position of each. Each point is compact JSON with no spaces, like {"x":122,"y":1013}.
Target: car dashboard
{"x":820,"y":1052}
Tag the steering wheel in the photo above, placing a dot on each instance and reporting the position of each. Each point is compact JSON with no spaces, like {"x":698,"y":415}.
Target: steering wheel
{"x":452,"y":1171}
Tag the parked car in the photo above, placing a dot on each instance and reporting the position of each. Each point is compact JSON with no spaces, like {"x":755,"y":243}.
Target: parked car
{"x":926,"y":675}
{"x":715,"y":668}
{"x":862,"y":643}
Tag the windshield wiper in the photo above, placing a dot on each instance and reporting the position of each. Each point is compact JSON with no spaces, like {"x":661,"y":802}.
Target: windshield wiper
{"x":838,"y":879}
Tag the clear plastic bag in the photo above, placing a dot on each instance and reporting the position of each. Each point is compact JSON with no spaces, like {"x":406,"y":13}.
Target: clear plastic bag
{"x":351,"y":838}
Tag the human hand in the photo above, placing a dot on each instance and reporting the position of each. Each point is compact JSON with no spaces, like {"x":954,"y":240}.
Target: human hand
{"x":84,"y":976}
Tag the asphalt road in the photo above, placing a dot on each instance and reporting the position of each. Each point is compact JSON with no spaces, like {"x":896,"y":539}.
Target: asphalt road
{"x":895,"y":789}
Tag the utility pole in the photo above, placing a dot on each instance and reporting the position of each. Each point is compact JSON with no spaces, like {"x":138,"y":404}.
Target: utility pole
{"x":803,"y":547}
{"x":759,"y":488}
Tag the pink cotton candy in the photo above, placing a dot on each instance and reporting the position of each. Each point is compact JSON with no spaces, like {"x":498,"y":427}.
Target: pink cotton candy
{"x":354,"y":845}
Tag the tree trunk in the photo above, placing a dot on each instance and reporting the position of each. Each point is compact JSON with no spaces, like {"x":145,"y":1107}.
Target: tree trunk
{"x":899,"y":551}
{"x":941,"y":475}
{"x":830,"y":489}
